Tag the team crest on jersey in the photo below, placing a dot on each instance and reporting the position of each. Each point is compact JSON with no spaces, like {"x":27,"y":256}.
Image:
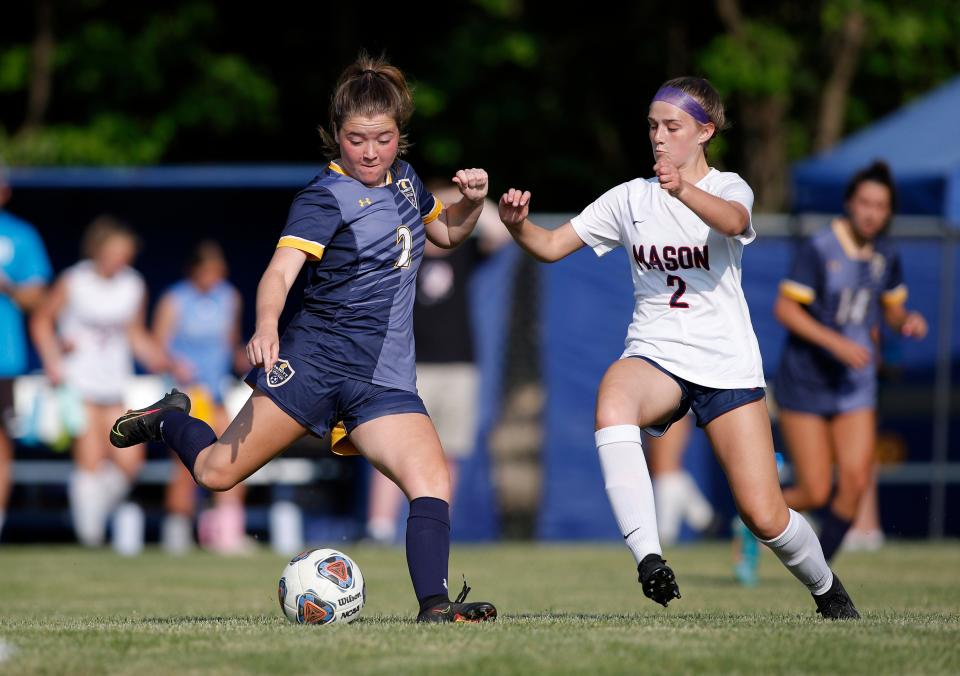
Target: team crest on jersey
{"x":878,"y":265}
{"x":280,"y":373}
{"x":338,"y":570}
{"x":405,"y":186}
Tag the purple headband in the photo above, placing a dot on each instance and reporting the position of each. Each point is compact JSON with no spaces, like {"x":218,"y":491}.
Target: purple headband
{"x":683,"y":101}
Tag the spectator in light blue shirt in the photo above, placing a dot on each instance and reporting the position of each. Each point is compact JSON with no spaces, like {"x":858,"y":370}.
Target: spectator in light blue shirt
{"x":24,"y":274}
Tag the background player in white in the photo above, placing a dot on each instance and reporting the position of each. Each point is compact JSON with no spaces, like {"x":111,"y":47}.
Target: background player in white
{"x":690,"y":344}
{"x":87,"y":331}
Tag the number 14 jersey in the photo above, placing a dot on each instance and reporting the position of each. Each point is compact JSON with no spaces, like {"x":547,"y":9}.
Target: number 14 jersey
{"x":689,"y":314}
{"x":364,"y":247}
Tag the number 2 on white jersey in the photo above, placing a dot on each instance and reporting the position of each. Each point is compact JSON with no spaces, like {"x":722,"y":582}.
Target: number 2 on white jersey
{"x":673,"y":280}
{"x":405,"y":242}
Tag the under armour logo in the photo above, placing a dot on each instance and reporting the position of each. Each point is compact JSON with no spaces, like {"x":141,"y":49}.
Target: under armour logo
{"x":445,"y":584}
{"x":364,"y":201}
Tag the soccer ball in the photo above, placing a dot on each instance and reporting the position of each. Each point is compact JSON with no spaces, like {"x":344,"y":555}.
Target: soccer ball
{"x":321,"y":586}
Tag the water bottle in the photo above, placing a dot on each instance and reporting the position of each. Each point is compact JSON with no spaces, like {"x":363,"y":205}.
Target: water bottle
{"x":128,"y":529}
{"x":286,"y":528}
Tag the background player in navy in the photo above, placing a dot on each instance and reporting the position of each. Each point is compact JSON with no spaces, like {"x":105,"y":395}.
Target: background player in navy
{"x":844,"y":278}
{"x":348,"y":355}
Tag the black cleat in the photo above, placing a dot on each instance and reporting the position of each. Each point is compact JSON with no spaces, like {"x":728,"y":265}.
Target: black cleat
{"x":143,"y":424}
{"x":657,"y":580}
{"x":459,"y":610}
{"x":836,"y":604}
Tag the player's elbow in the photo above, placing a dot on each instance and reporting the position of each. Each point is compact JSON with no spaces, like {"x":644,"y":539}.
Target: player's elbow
{"x":736,"y":226}
{"x":554,"y":249}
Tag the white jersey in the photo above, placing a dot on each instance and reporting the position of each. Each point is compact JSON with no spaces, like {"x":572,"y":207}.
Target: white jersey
{"x":690,"y":315}
{"x":94,"y":328}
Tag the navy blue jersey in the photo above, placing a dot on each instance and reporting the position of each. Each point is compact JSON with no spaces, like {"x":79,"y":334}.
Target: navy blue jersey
{"x":364,"y":247}
{"x":845,"y":293}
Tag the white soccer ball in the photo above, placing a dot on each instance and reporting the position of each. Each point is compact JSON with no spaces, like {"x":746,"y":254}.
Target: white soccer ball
{"x":321,"y":586}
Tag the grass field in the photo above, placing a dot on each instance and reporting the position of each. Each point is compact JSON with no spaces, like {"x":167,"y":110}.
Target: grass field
{"x":563,"y":609}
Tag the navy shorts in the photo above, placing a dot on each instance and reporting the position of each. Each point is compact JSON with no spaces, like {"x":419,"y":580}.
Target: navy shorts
{"x":318,"y":399}
{"x":824,"y":401}
{"x":707,"y":403}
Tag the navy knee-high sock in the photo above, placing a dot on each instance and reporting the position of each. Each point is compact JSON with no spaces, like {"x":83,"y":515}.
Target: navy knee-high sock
{"x":186,"y":436}
{"x":832,"y":530}
{"x":428,"y":549}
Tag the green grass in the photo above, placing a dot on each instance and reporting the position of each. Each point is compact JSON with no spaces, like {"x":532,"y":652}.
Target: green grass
{"x":563,"y":609}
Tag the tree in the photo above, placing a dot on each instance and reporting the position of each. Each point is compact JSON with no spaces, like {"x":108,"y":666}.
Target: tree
{"x":121,"y":86}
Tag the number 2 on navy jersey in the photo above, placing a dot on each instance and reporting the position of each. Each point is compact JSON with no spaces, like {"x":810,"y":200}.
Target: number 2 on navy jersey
{"x":673,"y":280}
{"x":405,"y":242}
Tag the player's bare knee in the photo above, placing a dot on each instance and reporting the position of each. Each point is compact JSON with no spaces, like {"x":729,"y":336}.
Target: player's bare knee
{"x":813,"y":496}
{"x":766,"y":524}
{"x":853,"y":483}
{"x":439,"y":486}
{"x":214,"y":479}
{"x":608,"y":415}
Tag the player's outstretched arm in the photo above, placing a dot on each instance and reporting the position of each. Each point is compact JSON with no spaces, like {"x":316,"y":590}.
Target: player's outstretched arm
{"x":545,"y":245}
{"x":264,"y":348}
{"x":458,"y":220}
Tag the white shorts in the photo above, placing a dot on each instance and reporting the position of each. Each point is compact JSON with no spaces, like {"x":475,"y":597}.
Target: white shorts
{"x":449,"y":391}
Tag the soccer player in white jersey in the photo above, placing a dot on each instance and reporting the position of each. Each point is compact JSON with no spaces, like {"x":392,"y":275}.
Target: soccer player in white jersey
{"x":690,"y":345}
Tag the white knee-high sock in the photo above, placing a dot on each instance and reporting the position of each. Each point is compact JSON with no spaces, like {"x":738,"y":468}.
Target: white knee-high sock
{"x":87,"y":507}
{"x":698,"y":512}
{"x":627,"y":481}
{"x":114,"y":484}
{"x":668,"y":495}
{"x":799,"y":550}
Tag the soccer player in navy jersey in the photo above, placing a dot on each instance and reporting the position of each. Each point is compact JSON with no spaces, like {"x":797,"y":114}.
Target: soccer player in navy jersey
{"x":348,"y":355}
{"x":844,"y":279}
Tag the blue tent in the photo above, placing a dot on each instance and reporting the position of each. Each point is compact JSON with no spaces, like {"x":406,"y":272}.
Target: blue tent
{"x":920,"y":142}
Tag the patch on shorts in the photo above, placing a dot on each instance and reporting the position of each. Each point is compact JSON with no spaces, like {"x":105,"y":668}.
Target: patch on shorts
{"x":280,"y":373}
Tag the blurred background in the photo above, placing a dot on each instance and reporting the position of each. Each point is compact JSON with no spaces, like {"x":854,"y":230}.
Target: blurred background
{"x":194,"y":121}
